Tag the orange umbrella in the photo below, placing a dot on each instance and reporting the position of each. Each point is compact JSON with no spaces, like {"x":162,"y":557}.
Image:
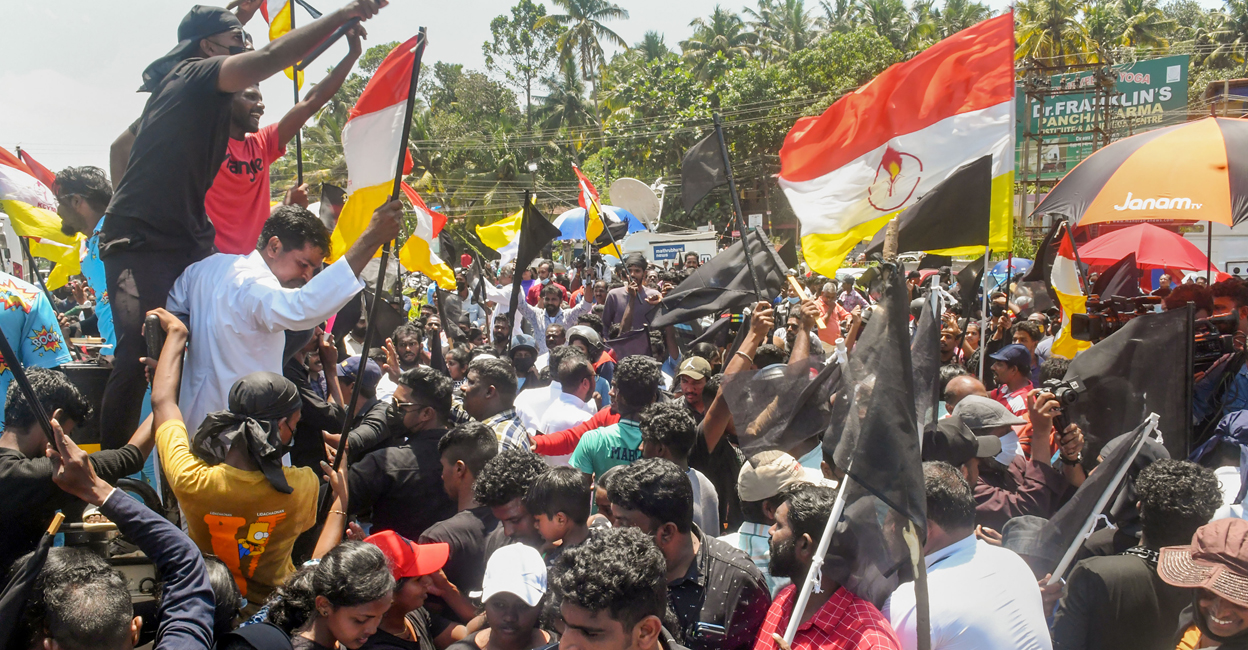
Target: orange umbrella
{"x":1195,"y":171}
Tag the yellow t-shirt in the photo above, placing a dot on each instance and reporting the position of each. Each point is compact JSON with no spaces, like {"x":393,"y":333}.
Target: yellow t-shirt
{"x":236,"y":515}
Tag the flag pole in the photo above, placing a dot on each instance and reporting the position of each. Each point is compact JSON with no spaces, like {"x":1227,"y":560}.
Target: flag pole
{"x":815,"y":574}
{"x":23,"y":383}
{"x":1103,"y":500}
{"x":736,"y":206}
{"x":983,"y":316}
{"x":515,"y":283}
{"x":349,"y":412}
{"x":295,"y":69}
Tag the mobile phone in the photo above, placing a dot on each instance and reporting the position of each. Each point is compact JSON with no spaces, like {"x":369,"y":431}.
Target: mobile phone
{"x":154,"y":334}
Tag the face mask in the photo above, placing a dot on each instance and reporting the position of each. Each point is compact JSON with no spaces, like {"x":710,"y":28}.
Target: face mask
{"x":794,"y":301}
{"x":236,"y":49}
{"x":523,"y":365}
{"x":394,"y":420}
{"x":545,"y":281}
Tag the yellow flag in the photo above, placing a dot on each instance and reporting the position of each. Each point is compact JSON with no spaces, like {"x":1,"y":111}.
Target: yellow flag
{"x":43,"y":227}
{"x":502,"y":232}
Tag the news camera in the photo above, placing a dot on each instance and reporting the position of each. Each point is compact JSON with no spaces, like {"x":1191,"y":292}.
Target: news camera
{"x":1213,"y":338}
{"x":1066,"y":392}
{"x":1108,"y":315}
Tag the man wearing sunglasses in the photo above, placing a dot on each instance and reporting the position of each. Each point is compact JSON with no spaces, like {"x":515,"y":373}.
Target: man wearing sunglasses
{"x":402,"y":482}
{"x":157,"y":224}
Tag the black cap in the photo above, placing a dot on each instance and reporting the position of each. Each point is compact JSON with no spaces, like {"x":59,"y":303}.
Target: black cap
{"x":261,"y":636}
{"x":953,"y":442}
{"x":200,"y":22}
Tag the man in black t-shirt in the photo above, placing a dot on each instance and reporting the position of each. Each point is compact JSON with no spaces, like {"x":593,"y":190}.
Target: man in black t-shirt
{"x":465,"y":450}
{"x":156,"y":224}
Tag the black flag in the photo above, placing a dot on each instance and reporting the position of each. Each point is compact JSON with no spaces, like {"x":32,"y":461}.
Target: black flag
{"x":969,"y":279}
{"x":762,"y":401}
{"x":1121,"y":279}
{"x":1042,"y":269}
{"x":447,"y":250}
{"x":955,"y":213}
{"x":22,"y":576}
{"x":451,"y":310}
{"x":616,"y":230}
{"x":788,"y":252}
{"x":1140,"y":369}
{"x":535,"y":233}
{"x":332,"y":200}
{"x":925,"y":356}
{"x":724,"y":283}
{"x":1068,"y":523}
{"x":874,"y":438}
{"x":701,"y":171}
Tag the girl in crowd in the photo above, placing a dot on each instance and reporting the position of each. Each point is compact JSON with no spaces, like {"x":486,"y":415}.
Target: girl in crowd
{"x":514,"y":583}
{"x":337,"y":603}
{"x":417,"y":571}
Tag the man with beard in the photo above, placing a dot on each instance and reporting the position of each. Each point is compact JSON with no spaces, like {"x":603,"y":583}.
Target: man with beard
{"x":239,"y":308}
{"x":402,"y":483}
{"x":692,"y":376}
{"x":238,"y":201}
{"x":545,"y":278}
{"x":556,"y":335}
{"x":551,"y":312}
{"x":82,"y":195}
{"x":489,"y":396}
{"x":834,"y":617}
{"x":405,"y":346}
{"x":717,"y":594}
{"x":644,"y":303}
{"x":500,"y":340}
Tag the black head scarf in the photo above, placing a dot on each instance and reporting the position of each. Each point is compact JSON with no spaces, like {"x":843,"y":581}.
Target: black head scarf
{"x":257,"y":402}
{"x":634,"y":259}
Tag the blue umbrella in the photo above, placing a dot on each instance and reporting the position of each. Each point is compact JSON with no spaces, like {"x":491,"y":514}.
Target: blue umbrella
{"x":571,"y":224}
{"x":1020,"y":266}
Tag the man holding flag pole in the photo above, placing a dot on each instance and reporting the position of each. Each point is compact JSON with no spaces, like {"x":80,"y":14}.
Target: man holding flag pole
{"x":157,"y":223}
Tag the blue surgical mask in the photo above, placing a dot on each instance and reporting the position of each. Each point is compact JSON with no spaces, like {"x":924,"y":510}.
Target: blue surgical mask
{"x":794,"y":300}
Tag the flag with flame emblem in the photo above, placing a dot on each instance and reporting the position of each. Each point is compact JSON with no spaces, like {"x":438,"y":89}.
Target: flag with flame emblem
{"x":876,"y":151}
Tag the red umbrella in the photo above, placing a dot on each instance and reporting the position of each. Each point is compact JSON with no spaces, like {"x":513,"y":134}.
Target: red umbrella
{"x":1154,"y":248}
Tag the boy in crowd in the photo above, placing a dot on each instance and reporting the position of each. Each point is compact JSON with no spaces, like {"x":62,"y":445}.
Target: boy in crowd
{"x":559,"y":502}
{"x":668,"y":432}
{"x":465,"y":450}
{"x":502,"y":486}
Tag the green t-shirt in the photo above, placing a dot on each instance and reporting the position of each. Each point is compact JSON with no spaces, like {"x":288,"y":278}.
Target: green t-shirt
{"x":601,"y":449}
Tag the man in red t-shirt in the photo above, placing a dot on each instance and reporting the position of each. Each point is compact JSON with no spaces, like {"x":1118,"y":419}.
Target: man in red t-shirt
{"x":238,"y":201}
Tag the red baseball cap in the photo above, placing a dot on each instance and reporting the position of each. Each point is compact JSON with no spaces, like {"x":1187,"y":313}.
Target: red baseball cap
{"x":407,"y":558}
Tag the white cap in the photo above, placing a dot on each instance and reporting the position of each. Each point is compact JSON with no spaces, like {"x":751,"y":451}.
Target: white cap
{"x":515,"y":569}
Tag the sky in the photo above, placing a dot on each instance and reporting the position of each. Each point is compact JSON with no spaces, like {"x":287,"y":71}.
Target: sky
{"x":70,"y":67}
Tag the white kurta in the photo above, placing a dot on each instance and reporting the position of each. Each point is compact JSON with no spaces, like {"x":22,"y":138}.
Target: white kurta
{"x":238,"y":314}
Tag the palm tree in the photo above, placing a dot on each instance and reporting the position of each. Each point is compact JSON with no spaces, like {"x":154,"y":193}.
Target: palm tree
{"x":564,"y":106}
{"x":1144,"y":24}
{"x":890,"y":20}
{"x":584,"y":32}
{"x":652,"y":46}
{"x":722,"y":35}
{"x":782,"y":27}
{"x":841,"y":16}
{"x":1050,"y":30}
{"x":957,"y":15}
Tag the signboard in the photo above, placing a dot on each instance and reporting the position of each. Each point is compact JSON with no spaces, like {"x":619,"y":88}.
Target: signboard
{"x":1146,"y":95}
{"x":668,"y":251}
{"x":756,"y":221}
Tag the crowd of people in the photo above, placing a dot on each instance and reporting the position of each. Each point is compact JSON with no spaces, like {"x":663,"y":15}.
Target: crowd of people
{"x":557,"y":474}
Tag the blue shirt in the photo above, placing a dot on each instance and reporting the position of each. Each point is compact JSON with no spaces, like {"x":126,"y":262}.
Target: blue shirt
{"x":29,"y":324}
{"x":93,"y":269}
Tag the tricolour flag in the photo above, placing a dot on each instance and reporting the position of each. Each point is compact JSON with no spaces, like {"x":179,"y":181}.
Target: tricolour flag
{"x":877,"y":150}
{"x":594,"y":226}
{"x":278,"y":14}
{"x":417,"y":253}
{"x":31,"y":207}
{"x":371,"y":141}
{"x":1065,"y":283}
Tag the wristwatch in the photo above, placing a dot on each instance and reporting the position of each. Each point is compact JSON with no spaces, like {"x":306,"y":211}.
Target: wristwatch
{"x":1078,"y":459}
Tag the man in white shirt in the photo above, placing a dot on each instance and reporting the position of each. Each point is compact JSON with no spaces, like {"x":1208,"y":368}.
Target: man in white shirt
{"x":981,"y":596}
{"x":238,"y":307}
{"x":570,"y":405}
{"x":548,"y":312}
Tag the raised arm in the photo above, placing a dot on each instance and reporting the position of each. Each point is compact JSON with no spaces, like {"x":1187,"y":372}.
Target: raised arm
{"x":801,"y":343}
{"x":718,"y":416}
{"x":322,"y":92}
{"x":243,"y":70}
{"x":168,"y":374}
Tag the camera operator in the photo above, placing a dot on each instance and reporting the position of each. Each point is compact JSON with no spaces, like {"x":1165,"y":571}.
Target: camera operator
{"x":1223,"y":387}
